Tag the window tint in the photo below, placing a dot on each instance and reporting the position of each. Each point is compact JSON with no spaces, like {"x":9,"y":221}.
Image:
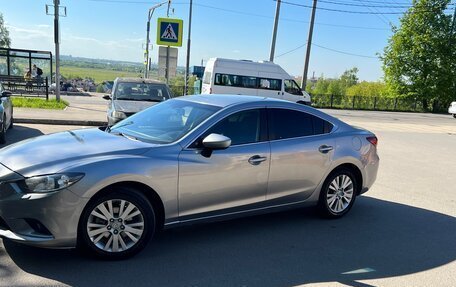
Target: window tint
{"x":285,"y":124}
{"x":271,"y":84}
{"x":247,"y":82}
{"x":242,"y":127}
{"x":292,"y":88}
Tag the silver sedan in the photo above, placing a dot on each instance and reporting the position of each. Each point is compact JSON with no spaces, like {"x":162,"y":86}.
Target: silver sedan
{"x":185,"y":160}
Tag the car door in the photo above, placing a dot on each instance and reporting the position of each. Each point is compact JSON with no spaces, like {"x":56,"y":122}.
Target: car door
{"x":269,"y":85}
{"x":292,"y":92}
{"x":234,"y":178}
{"x":301,"y":150}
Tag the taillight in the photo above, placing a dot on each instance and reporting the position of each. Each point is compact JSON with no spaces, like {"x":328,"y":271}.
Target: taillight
{"x":373,"y":140}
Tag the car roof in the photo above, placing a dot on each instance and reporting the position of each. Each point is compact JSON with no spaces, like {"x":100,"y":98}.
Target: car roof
{"x":139,"y":80}
{"x":224,"y":100}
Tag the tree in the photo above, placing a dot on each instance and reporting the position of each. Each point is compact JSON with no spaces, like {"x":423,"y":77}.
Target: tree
{"x":334,"y":86}
{"x":367,"y":89}
{"x":5,"y":41}
{"x":349,"y":77}
{"x":420,"y":59}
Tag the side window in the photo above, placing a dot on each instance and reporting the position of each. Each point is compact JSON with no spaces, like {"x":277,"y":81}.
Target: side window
{"x":292,"y":88}
{"x":242,"y":127}
{"x":270,"y":84}
{"x":284,"y":124}
{"x":236,"y":81}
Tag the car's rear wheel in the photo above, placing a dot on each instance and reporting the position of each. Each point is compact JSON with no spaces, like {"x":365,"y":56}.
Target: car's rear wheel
{"x":454,"y":116}
{"x":338,"y":193}
{"x":117,"y":225}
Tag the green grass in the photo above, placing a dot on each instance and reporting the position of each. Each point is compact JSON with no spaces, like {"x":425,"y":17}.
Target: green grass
{"x":37,"y":103}
{"x":99,"y":75}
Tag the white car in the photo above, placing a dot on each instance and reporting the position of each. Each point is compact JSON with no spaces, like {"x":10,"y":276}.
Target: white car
{"x":452,"y":109}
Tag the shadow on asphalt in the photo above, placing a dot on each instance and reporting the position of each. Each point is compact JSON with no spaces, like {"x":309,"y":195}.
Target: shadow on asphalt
{"x":19,"y":133}
{"x":282,"y":249}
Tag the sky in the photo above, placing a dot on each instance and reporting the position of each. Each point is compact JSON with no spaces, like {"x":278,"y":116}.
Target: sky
{"x":235,"y":29}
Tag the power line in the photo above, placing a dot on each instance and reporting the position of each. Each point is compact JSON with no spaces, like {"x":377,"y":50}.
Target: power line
{"x":326,"y":48}
{"x":365,"y":5}
{"x":346,"y":53}
{"x":380,"y":16}
{"x":351,"y":11}
{"x":247,"y":14}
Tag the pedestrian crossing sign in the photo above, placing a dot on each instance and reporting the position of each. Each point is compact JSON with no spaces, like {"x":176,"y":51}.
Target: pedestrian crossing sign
{"x":169,"y":32}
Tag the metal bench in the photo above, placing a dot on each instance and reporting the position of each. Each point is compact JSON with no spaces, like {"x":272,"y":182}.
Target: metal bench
{"x":20,"y":86}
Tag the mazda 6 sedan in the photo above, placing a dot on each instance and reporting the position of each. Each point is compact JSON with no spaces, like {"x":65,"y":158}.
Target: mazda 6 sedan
{"x":185,"y":160}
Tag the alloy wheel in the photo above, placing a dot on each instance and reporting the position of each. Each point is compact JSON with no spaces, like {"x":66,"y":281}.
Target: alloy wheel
{"x":115,"y":225}
{"x":340,"y":193}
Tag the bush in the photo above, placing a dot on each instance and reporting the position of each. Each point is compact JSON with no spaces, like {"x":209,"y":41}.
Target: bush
{"x":100,"y":89}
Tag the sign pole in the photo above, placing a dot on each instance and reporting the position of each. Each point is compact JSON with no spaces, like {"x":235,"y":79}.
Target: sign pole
{"x":57,"y":50}
{"x":167,"y":50}
{"x":187,"y":63}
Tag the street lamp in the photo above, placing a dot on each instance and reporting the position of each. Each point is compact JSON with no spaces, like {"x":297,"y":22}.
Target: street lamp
{"x":151,"y":12}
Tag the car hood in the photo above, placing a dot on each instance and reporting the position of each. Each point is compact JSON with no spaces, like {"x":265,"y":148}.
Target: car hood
{"x":54,"y":152}
{"x":132,"y":106}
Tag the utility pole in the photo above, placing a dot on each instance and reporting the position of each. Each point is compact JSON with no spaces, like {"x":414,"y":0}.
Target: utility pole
{"x":274,"y":31}
{"x":57,"y":42}
{"x":309,"y":44}
{"x":187,"y":64}
{"x":146,"y":54}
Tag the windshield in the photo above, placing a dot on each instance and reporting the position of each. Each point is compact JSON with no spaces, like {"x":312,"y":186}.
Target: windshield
{"x":165,"y":122}
{"x":141,"y":92}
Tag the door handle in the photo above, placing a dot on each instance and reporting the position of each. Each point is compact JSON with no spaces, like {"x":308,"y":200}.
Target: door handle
{"x":325,"y":149}
{"x":256,"y":159}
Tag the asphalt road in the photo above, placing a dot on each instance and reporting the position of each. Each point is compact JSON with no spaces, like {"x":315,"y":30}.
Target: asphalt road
{"x":401,"y":233}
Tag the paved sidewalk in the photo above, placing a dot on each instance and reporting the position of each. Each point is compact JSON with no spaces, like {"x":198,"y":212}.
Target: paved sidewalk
{"x":82,"y":111}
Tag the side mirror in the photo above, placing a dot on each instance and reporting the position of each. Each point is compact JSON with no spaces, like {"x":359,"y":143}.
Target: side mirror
{"x":6,"y":94}
{"x":216,"y":141}
{"x":107,"y":97}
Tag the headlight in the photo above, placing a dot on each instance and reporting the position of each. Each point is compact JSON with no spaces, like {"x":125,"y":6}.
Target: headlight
{"x":51,"y":182}
{"x":119,"y":115}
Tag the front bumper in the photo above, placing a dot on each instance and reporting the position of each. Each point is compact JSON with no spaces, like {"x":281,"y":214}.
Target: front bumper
{"x":44,"y":220}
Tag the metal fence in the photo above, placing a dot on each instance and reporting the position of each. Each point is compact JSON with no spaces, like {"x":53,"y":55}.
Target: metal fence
{"x":399,"y":104}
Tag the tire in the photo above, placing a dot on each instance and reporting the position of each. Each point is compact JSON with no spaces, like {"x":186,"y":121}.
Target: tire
{"x":335,"y":203}
{"x":132,"y":233}
{"x":454,"y":116}
{"x":3,"y":131}
{"x":11,"y":123}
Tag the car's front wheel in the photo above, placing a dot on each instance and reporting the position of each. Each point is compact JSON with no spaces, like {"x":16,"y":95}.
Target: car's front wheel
{"x":454,"y":116}
{"x":117,"y":225}
{"x":338,"y":193}
{"x":3,"y":131}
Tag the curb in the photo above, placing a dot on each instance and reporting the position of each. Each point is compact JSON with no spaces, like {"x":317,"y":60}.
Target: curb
{"x":60,"y":122}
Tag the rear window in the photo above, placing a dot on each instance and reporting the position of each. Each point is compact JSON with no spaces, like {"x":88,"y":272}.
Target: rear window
{"x":207,"y":78}
{"x":284,"y":124}
{"x":141,"y":91}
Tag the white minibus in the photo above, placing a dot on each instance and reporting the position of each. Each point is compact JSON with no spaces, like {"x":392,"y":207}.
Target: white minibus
{"x":243,"y":77}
